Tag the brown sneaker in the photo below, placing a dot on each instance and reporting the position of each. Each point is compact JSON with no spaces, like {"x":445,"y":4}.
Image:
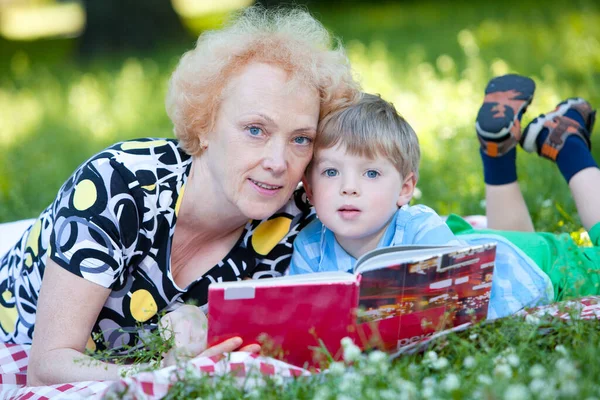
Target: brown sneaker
{"x":498,"y":122}
{"x":559,"y":128}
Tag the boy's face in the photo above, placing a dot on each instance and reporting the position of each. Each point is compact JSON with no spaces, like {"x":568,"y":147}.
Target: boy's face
{"x":355,"y":196}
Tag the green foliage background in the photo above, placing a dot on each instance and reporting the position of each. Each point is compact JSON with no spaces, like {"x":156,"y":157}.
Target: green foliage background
{"x":432,"y":59}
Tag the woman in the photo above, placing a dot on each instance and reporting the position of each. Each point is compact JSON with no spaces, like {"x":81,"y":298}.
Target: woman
{"x":146,"y":225}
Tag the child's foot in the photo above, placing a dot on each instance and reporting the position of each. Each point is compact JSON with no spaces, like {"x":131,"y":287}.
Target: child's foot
{"x":499,"y":119}
{"x":548,"y":133}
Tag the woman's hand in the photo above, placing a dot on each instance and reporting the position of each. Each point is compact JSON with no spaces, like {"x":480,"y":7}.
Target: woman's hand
{"x":189,"y":326}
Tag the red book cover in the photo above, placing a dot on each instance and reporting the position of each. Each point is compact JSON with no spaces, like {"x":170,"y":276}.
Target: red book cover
{"x":285,"y":317}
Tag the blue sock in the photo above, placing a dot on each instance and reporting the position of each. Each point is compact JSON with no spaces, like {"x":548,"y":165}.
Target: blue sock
{"x":500,"y":170}
{"x":574,"y":115}
{"x":574,"y":156}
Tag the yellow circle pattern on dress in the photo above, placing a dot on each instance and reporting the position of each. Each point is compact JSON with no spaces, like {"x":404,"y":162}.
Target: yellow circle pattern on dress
{"x":34,"y":236}
{"x":142,"y":307}
{"x":142,"y":145}
{"x":179,"y":199}
{"x":269,"y":233}
{"x":90,"y":345}
{"x":85,"y":195}
{"x":8,"y":315}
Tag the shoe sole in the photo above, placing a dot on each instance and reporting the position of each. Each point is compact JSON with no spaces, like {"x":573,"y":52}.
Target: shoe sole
{"x":498,"y":129}
{"x":529,"y":138}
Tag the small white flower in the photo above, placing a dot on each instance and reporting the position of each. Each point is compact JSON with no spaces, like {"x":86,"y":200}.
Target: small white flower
{"x":503,"y":371}
{"x":377,"y":357}
{"x":407,"y":389}
{"x":431,"y":356}
{"x":548,"y":392}
{"x":569,"y":389}
{"x":567,"y":369}
{"x":428,"y":392}
{"x":277,"y":380}
{"x":537,"y":385}
{"x":513,"y":360}
{"x":351,"y":381}
{"x":484,"y":380}
{"x":450,"y":383}
{"x":562,"y":350}
{"x":322,"y":393}
{"x":532,"y":319}
{"x":517,"y":392}
{"x":413,"y":370}
{"x":546,"y":203}
{"x":351,"y":351}
{"x":429,"y":382}
{"x":387,"y":394}
{"x":440,"y":363}
{"x":337,"y":368}
{"x":469,"y":362}
{"x":473,"y":336}
{"x":254,"y":393}
{"x":537,"y":371}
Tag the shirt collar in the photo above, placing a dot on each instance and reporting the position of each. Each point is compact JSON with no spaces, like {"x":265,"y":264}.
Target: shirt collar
{"x":335,"y":258}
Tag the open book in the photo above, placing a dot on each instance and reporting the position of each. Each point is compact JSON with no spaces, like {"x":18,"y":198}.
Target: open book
{"x":396,"y":296}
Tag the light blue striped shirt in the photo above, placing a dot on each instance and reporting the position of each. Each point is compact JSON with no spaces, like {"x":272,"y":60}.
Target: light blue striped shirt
{"x":517,"y":283}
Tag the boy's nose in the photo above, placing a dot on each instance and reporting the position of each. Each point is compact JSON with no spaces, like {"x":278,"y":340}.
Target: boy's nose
{"x":349,"y":190}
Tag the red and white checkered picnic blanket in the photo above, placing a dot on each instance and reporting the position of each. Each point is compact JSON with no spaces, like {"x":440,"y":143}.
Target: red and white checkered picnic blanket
{"x":145,"y":385}
{"x":155,"y":384}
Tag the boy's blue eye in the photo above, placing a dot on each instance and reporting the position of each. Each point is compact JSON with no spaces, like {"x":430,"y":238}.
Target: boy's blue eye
{"x":254,"y":131}
{"x":330,"y":172}
{"x":372,"y":174}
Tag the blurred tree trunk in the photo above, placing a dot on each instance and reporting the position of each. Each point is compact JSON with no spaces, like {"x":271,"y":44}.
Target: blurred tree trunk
{"x":115,"y":25}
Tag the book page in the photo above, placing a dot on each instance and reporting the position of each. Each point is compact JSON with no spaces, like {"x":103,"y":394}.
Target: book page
{"x":379,"y":258}
{"x":434,"y":293}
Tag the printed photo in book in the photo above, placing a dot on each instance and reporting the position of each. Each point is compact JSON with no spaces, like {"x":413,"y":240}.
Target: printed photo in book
{"x":395,"y":296}
{"x":401,"y":301}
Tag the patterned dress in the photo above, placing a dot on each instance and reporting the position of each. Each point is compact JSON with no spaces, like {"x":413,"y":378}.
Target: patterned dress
{"x":112,"y":223}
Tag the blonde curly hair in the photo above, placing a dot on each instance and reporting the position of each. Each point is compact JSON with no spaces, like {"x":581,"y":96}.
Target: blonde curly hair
{"x":290,"y":39}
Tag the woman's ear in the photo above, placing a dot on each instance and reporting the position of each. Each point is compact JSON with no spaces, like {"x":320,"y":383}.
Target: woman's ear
{"x":407,"y":190}
{"x":307,"y":187}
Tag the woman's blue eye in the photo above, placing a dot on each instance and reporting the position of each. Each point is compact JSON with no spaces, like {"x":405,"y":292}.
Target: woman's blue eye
{"x":254,"y":131}
{"x":330,"y":172}
{"x":372,"y":174}
{"x":301,"y":140}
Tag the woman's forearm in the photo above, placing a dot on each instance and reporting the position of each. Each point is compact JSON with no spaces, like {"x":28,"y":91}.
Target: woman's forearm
{"x":68,"y":365}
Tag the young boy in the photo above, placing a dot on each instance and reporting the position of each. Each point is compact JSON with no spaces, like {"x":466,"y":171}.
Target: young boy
{"x":360,"y":181}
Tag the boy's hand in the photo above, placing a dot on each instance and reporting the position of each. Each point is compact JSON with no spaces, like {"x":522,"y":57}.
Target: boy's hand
{"x":189,"y":326}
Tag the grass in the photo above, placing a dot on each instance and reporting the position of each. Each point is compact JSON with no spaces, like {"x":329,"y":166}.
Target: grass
{"x":432,"y":59}
{"x":513,"y":359}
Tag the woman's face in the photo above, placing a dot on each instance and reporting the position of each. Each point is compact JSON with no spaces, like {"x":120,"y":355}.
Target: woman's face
{"x":262,"y":140}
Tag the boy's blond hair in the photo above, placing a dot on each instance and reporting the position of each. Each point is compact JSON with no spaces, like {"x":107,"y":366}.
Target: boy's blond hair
{"x":372,"y":128}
